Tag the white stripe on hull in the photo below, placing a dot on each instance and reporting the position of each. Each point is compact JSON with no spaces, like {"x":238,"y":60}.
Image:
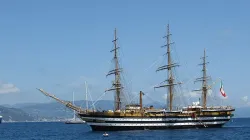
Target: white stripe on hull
{"x":156,"y":119}
{"x":158,"y":124}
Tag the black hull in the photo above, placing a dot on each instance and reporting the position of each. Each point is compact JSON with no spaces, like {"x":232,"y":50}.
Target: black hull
{"x":127,"y":128}
{"x":74,"y":123}
{"x":168,"y":121}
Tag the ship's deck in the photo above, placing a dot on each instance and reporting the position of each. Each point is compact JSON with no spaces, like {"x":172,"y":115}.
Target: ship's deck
{"x":226,"y":111}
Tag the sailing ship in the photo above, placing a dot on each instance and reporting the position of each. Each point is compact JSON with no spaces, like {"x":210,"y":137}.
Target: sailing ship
{"x":139,"y":117}
{"x":75,"y":120}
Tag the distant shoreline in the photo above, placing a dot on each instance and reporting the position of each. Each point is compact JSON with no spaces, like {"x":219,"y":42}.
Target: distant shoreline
{"x":29,"y":121}
{"x":62,"y":121}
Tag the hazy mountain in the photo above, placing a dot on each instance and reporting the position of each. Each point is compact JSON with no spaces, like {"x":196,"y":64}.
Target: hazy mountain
{"x":55,"y":110}
{"x":14,"y":114}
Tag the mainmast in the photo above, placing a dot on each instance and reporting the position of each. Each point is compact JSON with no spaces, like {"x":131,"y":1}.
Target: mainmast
{"x":170,"y":65}
{"x":117,"y":83}
{"x":204,"y":79}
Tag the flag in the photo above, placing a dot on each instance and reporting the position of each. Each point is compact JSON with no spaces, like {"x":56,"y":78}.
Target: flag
{"x":223,"y":93}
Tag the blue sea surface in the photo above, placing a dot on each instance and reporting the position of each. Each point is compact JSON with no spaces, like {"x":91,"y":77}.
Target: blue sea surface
{"x":237,"y":129}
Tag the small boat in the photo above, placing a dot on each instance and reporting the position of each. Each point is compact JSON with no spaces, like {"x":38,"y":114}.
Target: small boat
{"x":105,"y":134}
{"x":1,"y":118}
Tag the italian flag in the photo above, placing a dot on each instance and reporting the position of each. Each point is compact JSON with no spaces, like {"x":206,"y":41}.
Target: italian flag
{"x":223,"y":93}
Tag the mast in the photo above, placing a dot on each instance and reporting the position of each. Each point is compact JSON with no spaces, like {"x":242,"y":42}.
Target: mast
{"x":170,"y":65}
{"x":86,"y":97}
{"x":204,"y":79}
{"x":141,"y":94}
{"x":116,"y":86}
{"x":74,"y":104}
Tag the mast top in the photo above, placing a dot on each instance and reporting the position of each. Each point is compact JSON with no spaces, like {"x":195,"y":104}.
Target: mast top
{"x":204,"y":80}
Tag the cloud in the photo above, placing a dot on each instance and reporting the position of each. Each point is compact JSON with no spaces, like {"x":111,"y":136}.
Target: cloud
{"x":193,"y":94}
{"x":165,"y":96}
{"x":8,"y":88}
{"x":248,"y":103}
{"x":245,"y":98}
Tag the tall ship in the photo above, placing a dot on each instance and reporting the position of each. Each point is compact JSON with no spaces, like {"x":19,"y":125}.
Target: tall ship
{"x":127,"y":116}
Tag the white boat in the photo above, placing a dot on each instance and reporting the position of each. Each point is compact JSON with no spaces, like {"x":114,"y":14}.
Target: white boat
{"x":105,"y":134}
{"x":75,"y":120}
{"x":1,"y":118}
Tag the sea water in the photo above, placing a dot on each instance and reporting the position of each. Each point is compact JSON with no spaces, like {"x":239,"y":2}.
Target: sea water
{"x":236,"y":129}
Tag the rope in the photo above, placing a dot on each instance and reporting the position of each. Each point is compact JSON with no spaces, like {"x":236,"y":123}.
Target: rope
{"x":145,"y":70}
{"x":133,"y":98}
{"x":98,"y":99}
{"x":153,"y":99}
{"x":91,"y":99}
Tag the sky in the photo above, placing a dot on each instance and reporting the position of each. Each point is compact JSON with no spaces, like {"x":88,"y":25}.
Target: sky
{"x":57,"y":45}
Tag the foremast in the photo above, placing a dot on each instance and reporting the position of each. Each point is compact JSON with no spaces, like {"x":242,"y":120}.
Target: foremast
{"x":116,"y":85}
{"x":204,"y":79}
{"x":169,"y":66}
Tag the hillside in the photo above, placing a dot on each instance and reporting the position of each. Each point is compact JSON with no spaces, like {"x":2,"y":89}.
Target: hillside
{"x":14,"y":114}
{"x":54,"y":110}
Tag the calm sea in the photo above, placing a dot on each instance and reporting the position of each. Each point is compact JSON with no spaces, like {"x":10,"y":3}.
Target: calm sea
{"x":237,"y":129}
